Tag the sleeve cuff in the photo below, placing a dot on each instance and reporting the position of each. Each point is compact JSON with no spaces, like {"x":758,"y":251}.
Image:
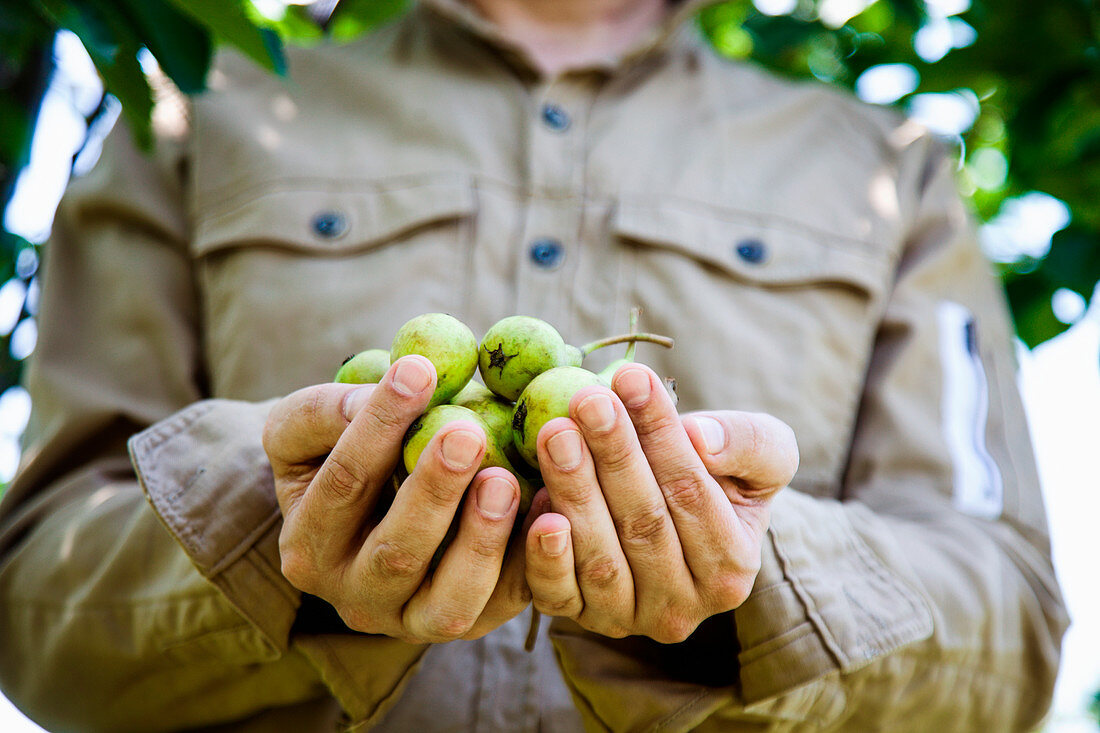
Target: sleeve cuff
{"x":824,"y":600}
{"x":206,"y":475}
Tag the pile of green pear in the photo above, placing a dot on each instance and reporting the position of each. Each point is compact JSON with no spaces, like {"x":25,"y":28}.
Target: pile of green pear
{"x":528,"y":375}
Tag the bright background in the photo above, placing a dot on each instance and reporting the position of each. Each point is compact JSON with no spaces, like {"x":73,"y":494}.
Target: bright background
{"x":1060,"y":379}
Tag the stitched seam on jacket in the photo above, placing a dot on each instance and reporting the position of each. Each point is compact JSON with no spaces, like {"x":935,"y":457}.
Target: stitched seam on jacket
{"x":241,"y":549}
{"x":666,"y":723}
{"x":729,"y":214}
{"x":892,"y":637}
{"x":408,"y":182}
{"x":830,"y":643}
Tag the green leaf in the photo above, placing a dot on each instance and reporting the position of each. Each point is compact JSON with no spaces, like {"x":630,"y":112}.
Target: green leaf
{"x":112,"y":42}
{"x":1073,"y":261}
{"x":230,"y":21}
{"x":1029,"y":297}
{"x":297,"y":27}
{"x":354,"y":17}
{"x":126,"y":81}
{"x":100,"y":40}
{"x":182,"y":47}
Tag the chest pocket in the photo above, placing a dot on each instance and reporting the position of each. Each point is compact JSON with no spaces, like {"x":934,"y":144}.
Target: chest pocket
{"x":768,"y":316}
{"x":294,"y":279}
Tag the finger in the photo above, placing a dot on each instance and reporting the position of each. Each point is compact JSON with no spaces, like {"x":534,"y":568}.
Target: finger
{"x":700,"y":510}
{"x":757,"y":450}
{"x":305,"y":425}
{"x":330,"y":514}
{"x":469,"y":571}
{"x":395,"y":557}
{"x":642,"y":520}
{"x":551,"y":573}
{"x":603,"y":573}
{"x":511,"y":594}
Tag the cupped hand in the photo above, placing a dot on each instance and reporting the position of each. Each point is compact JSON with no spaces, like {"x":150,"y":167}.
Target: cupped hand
{"x":657,"y":520}
{"x":333,"y":449}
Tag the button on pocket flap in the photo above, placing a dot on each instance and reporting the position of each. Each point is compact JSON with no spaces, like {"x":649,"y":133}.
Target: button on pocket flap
{"x":770,"y":253}
{"x":338,"y":220}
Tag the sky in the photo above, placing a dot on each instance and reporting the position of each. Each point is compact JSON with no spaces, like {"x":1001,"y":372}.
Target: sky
{"x":1060,"y":380}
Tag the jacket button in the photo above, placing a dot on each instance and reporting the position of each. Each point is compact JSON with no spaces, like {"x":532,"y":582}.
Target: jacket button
{"x":329,"y":224}
{"x":555,"y":117}
{"x":547,"y":253}
{"x":752,"y":251}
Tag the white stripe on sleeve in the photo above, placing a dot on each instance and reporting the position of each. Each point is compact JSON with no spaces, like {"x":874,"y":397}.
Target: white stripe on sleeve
{"x":978,"y":490}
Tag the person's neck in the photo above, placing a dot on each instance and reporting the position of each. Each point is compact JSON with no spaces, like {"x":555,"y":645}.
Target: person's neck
{"x":564,"y":34}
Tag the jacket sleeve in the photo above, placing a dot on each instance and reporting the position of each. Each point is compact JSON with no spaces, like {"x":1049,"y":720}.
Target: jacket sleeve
{"x":149,"y":599}
{"x":923,"y":599}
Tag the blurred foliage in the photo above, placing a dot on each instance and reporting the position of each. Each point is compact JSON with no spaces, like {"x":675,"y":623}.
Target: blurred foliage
{"x":1030,"y":72}
{"x":1031,"y":69}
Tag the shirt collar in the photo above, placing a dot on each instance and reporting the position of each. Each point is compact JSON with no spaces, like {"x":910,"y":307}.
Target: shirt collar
{"x":674,"y":31}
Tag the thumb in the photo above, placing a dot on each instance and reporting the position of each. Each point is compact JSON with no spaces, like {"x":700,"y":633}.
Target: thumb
{"x":758,"y":450}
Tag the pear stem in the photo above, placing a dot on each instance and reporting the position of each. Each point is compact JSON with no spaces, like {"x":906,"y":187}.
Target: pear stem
{"x":635,"y":314}
{"x":631,"y":338}
{"x":532,"y":631}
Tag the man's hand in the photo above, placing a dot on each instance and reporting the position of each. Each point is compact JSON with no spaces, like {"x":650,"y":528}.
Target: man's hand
{"x":333,"y":448}
{"x":657,"y":521}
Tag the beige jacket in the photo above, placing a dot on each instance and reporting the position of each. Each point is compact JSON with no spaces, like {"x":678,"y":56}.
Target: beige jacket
{"x":807,"y":252}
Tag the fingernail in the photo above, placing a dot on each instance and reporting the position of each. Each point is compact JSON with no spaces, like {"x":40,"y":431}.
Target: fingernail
{"x":411,"y":377}
{"x":633,"y":387}
{"x":714,"y":435}
{"x":461,"y":448}
{"x":355,"y":400}
{"x":565,"y":449}
{"x":553,"y":544}
{"x":494,"y":497}
{"x":596,"y":412}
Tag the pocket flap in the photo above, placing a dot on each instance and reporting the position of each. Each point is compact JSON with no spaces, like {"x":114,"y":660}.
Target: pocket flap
{"x":770,"y":253}
{"x":337,"y":219}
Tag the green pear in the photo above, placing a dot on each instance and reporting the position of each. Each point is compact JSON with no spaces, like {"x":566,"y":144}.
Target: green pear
{"x":448,"y":343}
{"x":517,"y":349}
{"x":546,"y":397}
{"x":366,"y":367}
{"x":494,"y":411}
{"x":424,"y":428}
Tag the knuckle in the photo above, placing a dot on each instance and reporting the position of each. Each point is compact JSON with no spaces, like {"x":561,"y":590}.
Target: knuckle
{"x":788,"y":445}
{"x":382,"y":413}
{"x":343,"y":477}
{"x":614,"y":630}
{"x":390,"y":560}
{"x":617,"y":455}
{"x":674,"y":626}
{"x":649,"y":423}
{"x":358,"y":619}
{"x":442,"y":492}
{"x":446,"y":625}
{"x":645,"y":528}
{"x":599,"y":572}
{"x":674,"y":631}
{"x":565,"y":606}
{"x":756,"y":442}
{"x":487,"y":549}
{"x":298,"y":569}
{"x":730,"y":589}
{"x":573,"y":493}
{"x":686,"y":491}
{"x":542,"y":572}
